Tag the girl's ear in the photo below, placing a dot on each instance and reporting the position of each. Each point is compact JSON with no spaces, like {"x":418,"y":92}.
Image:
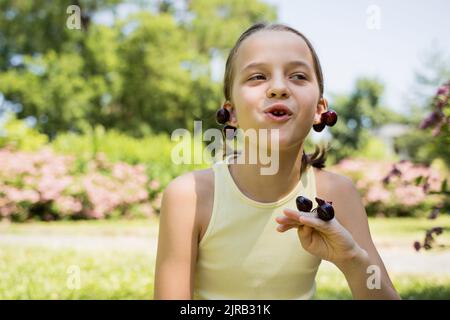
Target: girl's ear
{"x":233,"y":120}
{"x":322,"y":106}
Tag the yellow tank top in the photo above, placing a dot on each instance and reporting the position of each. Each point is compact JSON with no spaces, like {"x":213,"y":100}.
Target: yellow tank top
{"x":242,"y":255}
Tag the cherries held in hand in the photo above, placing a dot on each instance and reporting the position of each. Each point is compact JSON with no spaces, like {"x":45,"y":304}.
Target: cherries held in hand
{"x":325,"y":210}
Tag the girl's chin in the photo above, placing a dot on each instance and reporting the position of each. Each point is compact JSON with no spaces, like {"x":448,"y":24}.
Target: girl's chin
{"x":275,"y":139}
{"x":285,"y":139}
{"x":281,"y":143}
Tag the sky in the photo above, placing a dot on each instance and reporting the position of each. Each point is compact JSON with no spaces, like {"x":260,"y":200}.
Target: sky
{"x":385,"y":39}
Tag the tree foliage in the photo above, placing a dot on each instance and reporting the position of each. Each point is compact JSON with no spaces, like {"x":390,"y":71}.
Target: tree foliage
{"x":359,"y":113}
{"x":148,"y":72}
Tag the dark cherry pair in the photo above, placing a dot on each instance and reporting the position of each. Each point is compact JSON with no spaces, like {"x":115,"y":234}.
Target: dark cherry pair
{"x":324,"y":209}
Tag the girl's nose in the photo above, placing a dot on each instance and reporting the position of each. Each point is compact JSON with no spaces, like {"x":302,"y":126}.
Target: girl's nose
{"x":278,"y":89}
{"x":277,"y":93}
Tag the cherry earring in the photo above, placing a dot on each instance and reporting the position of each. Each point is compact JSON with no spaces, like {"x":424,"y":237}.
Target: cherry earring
{"x":328,"y":118}
{"x":222,"y":116}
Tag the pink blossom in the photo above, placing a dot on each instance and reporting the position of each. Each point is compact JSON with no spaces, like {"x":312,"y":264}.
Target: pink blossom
{"x":154,"y":185}
{"x":409,"y":195}
{"x":377,"y":193}
{"x":68,"y":205}
{"x":45,"y":178}
{"x":13,"y":194}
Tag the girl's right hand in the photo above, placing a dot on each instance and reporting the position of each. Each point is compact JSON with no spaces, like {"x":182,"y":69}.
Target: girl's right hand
{"x":328,"y":240}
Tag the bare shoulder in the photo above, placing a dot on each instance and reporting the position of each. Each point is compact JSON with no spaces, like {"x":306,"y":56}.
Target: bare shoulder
{"x":195,"y":183}
{"x":194,"y":192}
{"x":331,"y":183}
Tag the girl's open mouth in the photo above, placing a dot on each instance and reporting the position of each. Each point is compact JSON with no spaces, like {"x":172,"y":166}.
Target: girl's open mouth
{"x":278,"y":116}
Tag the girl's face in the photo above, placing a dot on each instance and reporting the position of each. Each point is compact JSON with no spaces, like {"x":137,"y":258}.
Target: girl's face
{"x":276,"y":67}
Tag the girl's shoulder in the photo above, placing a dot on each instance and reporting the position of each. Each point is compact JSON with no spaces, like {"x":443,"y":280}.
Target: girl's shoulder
{"x":198,"y":182}
{"x":196,"y":188}
{"x":340,"y":190}
{"x":331,"y":185}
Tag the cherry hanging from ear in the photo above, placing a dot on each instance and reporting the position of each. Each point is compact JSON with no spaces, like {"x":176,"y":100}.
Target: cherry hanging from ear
{"x":222,"y":116}
{"x":329,"y":117}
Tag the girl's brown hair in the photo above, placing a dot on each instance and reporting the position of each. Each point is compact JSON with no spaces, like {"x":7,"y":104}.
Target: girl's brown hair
{"x":316,"y":159}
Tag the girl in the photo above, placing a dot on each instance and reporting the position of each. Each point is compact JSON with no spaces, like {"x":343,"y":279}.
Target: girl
{"x":224,"y":231}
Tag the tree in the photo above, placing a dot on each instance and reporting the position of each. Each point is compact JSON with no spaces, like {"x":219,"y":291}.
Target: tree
{"x":434,"y":72}
{"x":148,"y":73}
{"x":358,"y":113}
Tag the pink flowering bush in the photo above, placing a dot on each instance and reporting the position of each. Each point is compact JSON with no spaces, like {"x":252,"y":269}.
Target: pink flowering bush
{"x":390,"y":189}
{"x":49,"y":186}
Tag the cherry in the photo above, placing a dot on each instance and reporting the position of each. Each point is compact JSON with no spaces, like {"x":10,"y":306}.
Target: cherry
{"x":303,"y":204}
{"x":325,"y":212}
{"x":222,"y":116}
{"x":329,"y":117}
{"x":319,"y":127}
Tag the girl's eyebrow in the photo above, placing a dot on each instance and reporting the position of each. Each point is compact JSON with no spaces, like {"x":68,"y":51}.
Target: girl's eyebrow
{"x":290,"y":63}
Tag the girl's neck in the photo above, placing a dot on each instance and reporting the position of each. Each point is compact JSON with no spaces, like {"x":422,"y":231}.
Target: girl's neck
{"x":269,"y":188}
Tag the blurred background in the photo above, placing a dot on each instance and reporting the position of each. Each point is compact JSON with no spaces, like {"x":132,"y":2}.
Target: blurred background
{"x":90,"y":92}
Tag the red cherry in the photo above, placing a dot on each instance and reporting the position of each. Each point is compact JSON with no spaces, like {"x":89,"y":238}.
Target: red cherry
{"x":303,"y":204}
{"x":329,"y":117}
{"x":319,"y":127}
{"x":325,"y":212}
{"x":222,"y":116}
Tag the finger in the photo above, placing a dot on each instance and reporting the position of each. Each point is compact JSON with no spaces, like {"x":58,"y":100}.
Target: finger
{"x":315,"y":223}
{"x":293,"y":214}
{"x":286,"y":220}
{"x":285,"y":227}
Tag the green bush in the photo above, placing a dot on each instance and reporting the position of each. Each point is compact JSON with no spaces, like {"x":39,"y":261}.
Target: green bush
{"x":16,"y":134}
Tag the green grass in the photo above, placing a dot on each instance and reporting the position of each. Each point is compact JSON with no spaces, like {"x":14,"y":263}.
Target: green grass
{"x":407,"y":227}
{"x":33,"y":271}
{"x":41,"y":273}
{"x":331,"y":284}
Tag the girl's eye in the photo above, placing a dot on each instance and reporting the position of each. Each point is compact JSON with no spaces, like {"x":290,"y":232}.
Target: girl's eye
{"x":257,"y":77}
{"x":300,"y":76}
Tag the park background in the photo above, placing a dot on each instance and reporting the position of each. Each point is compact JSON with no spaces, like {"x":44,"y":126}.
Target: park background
{"x":86,"y":116}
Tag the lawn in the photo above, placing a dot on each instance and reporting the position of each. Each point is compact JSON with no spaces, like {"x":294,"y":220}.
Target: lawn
{"x":115,"y":260}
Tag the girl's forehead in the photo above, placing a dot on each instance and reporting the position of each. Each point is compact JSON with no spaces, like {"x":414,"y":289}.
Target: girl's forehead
{"x":272,"y":47}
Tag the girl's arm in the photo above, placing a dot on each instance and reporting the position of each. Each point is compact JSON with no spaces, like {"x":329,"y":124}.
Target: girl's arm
{"x":365,"y":272}
{"x":344,"y":241}
{"x":177,"y":241}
